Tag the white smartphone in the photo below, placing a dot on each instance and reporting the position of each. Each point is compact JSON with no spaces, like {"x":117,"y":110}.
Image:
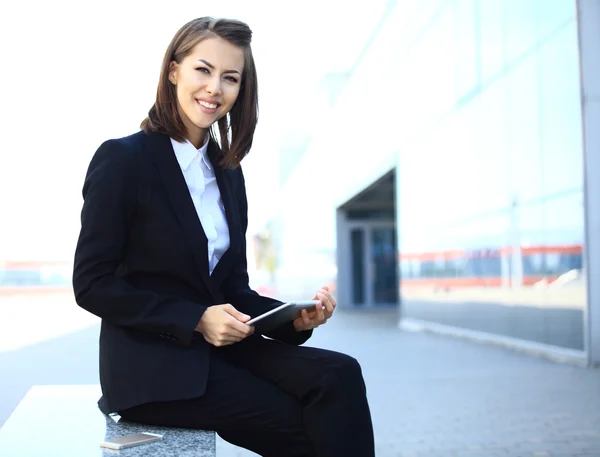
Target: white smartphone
{"x":280,"y":315}
{"x":131,"y":440}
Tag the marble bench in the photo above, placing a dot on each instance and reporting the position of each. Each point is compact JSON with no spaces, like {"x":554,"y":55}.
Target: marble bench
{"x":64,"y":421}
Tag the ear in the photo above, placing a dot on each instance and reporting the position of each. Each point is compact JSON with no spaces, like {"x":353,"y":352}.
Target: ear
{"x":173,"y":69}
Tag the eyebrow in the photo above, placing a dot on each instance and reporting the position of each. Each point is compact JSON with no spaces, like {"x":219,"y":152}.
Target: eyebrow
{"x":208,"y":64}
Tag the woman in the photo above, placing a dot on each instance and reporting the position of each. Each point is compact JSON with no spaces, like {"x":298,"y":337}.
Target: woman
{"x":161,"y":258}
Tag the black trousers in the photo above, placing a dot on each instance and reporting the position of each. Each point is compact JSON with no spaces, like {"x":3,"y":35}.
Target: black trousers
{"x":277,"y":400}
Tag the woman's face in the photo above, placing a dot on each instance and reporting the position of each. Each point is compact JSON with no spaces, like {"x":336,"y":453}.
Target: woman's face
{"x":208,"y":82}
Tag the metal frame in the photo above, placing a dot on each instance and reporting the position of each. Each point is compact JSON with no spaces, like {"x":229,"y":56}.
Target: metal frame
{"x":588,"y":18}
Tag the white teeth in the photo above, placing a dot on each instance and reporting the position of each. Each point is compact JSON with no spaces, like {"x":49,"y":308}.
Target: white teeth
{"x":206,"y":104}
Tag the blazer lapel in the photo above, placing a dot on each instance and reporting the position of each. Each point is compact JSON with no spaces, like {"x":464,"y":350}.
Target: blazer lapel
{"x":229,"y":199}
{"x":179,"y":196}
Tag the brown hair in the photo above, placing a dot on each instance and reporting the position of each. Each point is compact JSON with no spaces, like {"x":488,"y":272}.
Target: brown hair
{"x":164,"y":118}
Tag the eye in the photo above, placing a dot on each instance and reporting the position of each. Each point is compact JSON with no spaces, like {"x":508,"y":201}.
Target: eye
{"x":203,"y":70}
{"x":233,"y":79}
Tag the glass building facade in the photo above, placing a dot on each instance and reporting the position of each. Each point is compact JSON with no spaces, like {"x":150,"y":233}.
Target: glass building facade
{"x":473,"y":109}
{"x":491,"y":206}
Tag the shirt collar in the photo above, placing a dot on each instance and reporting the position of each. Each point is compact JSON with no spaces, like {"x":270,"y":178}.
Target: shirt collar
{"x":186,"y":152}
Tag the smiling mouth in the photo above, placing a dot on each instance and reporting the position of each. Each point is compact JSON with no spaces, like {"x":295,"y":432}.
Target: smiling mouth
{"x":208,"y":105}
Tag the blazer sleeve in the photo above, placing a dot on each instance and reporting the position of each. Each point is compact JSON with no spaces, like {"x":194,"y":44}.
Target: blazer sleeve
{"x":237,"y":291}
{"x":110,"y":195}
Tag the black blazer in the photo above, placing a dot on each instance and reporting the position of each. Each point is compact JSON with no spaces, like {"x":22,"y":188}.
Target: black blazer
{"x":141,"y":264}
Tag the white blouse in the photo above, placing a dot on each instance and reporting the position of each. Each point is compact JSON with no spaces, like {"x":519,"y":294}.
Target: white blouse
{"x":202,"y":184}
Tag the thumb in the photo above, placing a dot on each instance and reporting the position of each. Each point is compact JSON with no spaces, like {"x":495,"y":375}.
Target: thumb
{"x":235,"y":313}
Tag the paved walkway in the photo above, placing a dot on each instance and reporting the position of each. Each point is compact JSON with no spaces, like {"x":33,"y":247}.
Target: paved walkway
{"x":433,"y":396}
{"x":430,"y":395}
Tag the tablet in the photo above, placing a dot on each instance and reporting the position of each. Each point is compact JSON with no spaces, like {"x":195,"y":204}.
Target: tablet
{"x":280,"y":315}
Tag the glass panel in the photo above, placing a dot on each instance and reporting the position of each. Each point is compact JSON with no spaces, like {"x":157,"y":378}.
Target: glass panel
{"x":523,"y":130}
{"x":357,"y":238}
{"x":520,"y":26}
{"x":383,"y":257}
{"x":492,"y":45}
{"x":491,"y":202}
{"x":495,"y":170}
{"x":563,"y":278}
{"x":553,"y":14}
{"x":464,"y":54}
{"x":561,"y":137}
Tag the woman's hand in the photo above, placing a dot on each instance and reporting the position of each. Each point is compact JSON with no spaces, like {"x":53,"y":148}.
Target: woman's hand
{"x":222,"y":325}
{"x":323,"y":311}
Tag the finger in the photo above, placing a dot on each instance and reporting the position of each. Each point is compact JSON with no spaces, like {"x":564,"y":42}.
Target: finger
{"x":229,"y":337}
{"x":329,"y":303}
{"x":299,"y":324}
{"x":320,"y":315}
{"x":312,"y":314}
{"x":322,"y":289}
{"x":236,"y":328}
{"x":226,"y":334}
{"x":311,"y":319}
{"x":306,"y":320}
{"x":328,"y":296}
{"x":229,"y":309}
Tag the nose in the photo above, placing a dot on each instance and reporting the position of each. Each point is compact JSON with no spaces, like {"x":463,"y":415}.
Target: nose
{"x":213,"y":87}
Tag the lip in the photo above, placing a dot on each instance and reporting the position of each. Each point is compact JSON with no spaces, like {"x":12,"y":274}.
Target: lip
{"x":204,"y":108}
